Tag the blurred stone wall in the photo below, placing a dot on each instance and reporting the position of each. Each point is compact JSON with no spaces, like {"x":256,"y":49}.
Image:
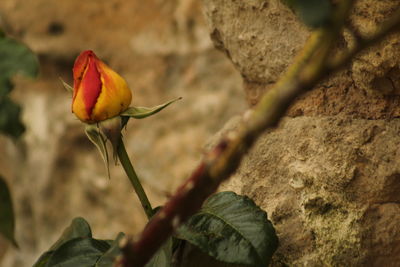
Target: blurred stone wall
{"x":329,"y":176}
{"x":163,"y":50}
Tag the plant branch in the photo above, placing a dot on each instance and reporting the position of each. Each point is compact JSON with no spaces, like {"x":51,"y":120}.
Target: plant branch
{"x":311,"y":66}
{"x":133,"y":178}
{"x":391,"y":26}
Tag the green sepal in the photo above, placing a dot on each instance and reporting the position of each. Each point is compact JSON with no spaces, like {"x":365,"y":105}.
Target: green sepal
{"x":143,"y":112}
{"x":7,"y":219}
{"x":111,"y":129}
{"x":96,"y":137}
{"x":67,"y":86}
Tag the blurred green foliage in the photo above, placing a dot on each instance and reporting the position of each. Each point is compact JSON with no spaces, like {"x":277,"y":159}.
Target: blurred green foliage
{"x":314,"y":13}
{"x":77,"y":247}
{"x":7,"y":219}
{"x":15,"y":58}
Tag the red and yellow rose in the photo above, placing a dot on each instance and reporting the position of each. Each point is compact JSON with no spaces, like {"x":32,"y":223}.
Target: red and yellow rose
{"x":99,"y":93}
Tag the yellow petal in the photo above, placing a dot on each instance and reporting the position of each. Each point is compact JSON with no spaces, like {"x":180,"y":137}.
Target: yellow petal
{"x":115,"y":96}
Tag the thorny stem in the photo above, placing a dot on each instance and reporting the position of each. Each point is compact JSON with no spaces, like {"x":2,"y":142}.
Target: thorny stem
{"x":133,"y":178}
{"x":311,"y":67}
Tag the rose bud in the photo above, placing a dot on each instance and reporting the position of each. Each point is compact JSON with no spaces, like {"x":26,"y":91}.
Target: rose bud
{"x":99,"y":92}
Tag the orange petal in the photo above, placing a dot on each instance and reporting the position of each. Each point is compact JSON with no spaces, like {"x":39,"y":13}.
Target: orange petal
{"x":115,"y":96}
{"x":99,"y":92}
{"x":91,"y":85}
{"x":80,"y":65}
{"x":79,"y":108}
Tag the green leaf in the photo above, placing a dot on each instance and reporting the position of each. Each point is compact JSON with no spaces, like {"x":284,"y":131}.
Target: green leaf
{"x":94,"y":135}
{"x":314,"y":13}
{"x":44,"y":259}
{"x":16,"y":58}
{"x":108,"y":258}
{"x":79,"y":228}
{"x":143,"y":112}
{"x":7,"y":220}
{"x":233,"y":229}
{"x":67,"y":86}
{"x":163,"y":256}
{"x":83,"y":252}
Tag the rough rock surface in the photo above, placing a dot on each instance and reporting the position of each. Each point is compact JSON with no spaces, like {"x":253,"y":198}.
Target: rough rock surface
{"x":262,"y":37}
{"x":331,"y":188}
{"x":164,"y":51}
{"x":329,"y":175}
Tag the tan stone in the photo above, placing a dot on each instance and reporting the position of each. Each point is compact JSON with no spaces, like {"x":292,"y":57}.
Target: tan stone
{"x":331,"y":188}
{"x":329,"y":175}
{"x":263,"y":37}
{"x":163,"y":50}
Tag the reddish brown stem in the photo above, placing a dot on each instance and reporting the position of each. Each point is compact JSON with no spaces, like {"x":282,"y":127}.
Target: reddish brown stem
{"x":224,"y":159}
{"x":187,"y":200}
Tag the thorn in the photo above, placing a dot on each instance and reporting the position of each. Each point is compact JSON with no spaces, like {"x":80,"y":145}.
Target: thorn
{"x":247,"y":115}
{"x":162,"y":215}
{"x":175,"y":222}
{"x":123,"y":242}
{"x":232,"y":135}
{"x":189,"y":186}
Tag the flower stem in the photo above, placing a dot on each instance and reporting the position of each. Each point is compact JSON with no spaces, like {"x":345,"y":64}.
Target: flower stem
{"x":134,"y":179}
